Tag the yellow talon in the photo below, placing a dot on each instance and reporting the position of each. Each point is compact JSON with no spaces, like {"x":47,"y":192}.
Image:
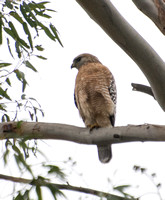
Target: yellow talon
{"x":92,"y":126}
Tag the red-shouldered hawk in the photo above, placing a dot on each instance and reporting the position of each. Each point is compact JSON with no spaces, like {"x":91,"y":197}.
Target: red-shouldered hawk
{"x":95,"y":96}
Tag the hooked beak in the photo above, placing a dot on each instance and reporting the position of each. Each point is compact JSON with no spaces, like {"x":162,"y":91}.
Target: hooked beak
{"x":72,"y":66}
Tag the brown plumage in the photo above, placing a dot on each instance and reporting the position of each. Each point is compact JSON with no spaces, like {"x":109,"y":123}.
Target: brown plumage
{"x":95,"y":96}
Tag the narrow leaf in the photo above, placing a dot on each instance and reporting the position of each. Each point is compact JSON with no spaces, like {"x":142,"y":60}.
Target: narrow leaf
{"x":19,"y":74}
{"x":9,"y":4}
{"x":41,"y":57}
{"x":27,"y":17}
{"x":47,"y":31}
{"x":4,"y":64}
{"x":54,"y":30}
{"x":24,"y":85}
{"x":41,"y":4}
{"x":8,"y":44}
{"x":11,"y":25}
{"x":23,"y":43}
{"x":4,"y":94}
{"x":29,"y":65}
{"x":26,"y":29}
{"x":1,"y":30}
{"x":39,"y":47}
{"x":2,"y":107}
{"x":9,"y":32}
{"x":16,"y":16}
{"x":17,"y":47}
{"x":8,"y":81}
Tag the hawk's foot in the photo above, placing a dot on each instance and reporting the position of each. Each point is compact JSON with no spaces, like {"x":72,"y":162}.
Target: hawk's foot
{"x":93,"y":126}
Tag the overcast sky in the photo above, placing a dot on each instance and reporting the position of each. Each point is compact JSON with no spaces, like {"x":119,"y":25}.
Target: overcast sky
{"x":53,"y":87}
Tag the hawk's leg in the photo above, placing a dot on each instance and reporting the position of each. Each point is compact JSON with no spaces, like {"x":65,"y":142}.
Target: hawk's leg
{"x":93,"y":126}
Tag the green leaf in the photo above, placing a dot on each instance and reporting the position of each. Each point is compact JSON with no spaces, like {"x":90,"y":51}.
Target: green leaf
{"x":28,"y":10}
{"x":17,"y":47}
{"x":5,"y":155}
{"x":55,"y":170}
{"x":20,"y":159}
{"x":4,"y":94}
{"x":8,"y":81}
{"x":41,"y":57}
{"x":18,"y":197}
{"x":121,"y":188}
{"x":54,"y":30}
{"x":19,"y":123}
{"x":47,"y":31}
{"x":24,"y":85}
{"x":39,"y":47}
{"x":15,"y":148}
{"x":5,"y":118}
{"x":2,"y":107}
{"x":29,"y":65}
{"x":16,"y":16}
{"x":54,"y":190}
{"x":31,"y":22}
{"x":11,"y":25}
{"x":20,"y":75}
{"x":31,"y":115}
{"x":1,"y":30}
{"x":9,"y":4}
{"x":26,"y":29}
{"x":41,"y":4}
{"x":9,"y":32}
{"x":4,"y":64}
{"x":23,"y":43}
{"x":8,"y":44}
{"x":41,"y":13}
{"x":23,"y":96}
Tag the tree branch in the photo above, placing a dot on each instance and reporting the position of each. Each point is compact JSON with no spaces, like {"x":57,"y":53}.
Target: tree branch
{"x":155,"y":10}
{"x":109,"y":19}
{"x":39,"y":130}
{"x":142,"y":88}
{"x":41,"y":182}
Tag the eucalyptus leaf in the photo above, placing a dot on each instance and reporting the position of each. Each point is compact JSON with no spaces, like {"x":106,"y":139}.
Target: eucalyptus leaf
{"x":29,"y":65}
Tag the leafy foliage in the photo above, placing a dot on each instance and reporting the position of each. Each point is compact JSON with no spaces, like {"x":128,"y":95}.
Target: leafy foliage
{"x":21,"y":23}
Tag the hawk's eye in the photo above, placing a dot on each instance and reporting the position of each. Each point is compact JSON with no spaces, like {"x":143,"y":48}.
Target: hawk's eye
{"x":78,"y":59}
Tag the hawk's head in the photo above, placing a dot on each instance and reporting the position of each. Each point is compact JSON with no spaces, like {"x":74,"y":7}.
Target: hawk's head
{"x":84,"y":59}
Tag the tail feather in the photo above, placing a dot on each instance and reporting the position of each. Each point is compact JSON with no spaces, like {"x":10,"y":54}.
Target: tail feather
{"x":105,"y":153}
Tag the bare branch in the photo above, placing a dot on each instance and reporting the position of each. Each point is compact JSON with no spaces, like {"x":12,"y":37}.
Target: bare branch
{"x":109,"y":19}
{"x":39,"y":130}
{"x":155,"y":10}
{"x":39,"y":182}
{"x":142,"y":88}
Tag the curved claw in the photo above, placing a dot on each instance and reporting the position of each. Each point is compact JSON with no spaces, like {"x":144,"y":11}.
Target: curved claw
{"x":92,"y":126}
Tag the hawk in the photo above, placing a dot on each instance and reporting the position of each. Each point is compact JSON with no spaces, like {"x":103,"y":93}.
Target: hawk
{"x":95,"y":97}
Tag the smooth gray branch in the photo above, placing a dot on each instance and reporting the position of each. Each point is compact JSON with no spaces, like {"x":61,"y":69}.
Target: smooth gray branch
{"x":110,"y":20}
{"x":142,"y":88}
{"x":40,"y":130}
{"x":41,"y":182}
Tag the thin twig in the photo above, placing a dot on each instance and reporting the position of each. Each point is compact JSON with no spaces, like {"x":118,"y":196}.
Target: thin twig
{"x":61,"y":186}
